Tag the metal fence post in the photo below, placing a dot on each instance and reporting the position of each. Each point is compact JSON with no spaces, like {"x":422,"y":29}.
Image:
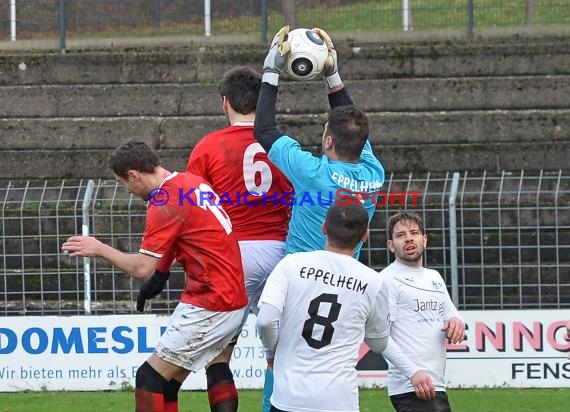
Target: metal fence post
{"x":406,"y":15}
{"x":13,"y":20}
{"x":62,"y":29}
{"x":264,"y":22}
{"x":85,"y":232}
{"x":453,"y":238}
{"x":470,"y":19}
{"x":156,"y":18}
{"x":207,"y":18}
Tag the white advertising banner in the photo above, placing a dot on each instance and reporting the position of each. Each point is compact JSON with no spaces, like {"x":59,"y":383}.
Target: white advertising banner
{"x":86,"y":353}
{"x":511,"y":348}
{"x":503,"y":348}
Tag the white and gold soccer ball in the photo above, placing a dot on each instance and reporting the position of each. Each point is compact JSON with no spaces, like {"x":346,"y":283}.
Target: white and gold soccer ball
{"x":308,"y":55}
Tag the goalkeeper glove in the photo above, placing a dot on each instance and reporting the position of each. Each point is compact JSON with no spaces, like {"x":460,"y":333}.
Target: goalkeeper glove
{"x":276,"y":58}
{"x":151,"y":288}
{"x":330,"y":71}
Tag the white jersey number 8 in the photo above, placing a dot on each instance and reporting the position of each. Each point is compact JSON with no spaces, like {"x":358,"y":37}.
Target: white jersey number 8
{"x":325,"y":322}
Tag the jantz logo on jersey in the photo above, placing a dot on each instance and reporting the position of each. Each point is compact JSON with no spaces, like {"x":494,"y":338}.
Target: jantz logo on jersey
{"x":342,"y":197}
{"x":426,"y":305}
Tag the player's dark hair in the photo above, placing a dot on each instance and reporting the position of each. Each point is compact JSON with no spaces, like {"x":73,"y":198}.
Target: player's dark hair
{"x":133,"y":154}
{"x":241,"y":87}
{"x":405,"y":217}
{"x":346,"y":225}
{"x":348,"y":127}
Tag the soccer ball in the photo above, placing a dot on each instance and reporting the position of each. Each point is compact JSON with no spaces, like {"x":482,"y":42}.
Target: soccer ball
{"x":308,"y":55}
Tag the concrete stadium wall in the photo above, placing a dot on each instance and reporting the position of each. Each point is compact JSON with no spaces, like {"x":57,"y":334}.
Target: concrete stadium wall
{"x":493,"y":104}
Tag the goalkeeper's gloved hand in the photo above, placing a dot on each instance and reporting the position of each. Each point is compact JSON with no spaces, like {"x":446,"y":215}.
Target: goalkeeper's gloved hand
{"x":330,"y":70}
{"x":151,"y":288}
{"x":276,"y":58}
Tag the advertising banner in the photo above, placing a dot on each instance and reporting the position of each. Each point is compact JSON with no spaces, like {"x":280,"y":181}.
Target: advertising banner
{"x":524,"y":348}
{"x":511,"y":348}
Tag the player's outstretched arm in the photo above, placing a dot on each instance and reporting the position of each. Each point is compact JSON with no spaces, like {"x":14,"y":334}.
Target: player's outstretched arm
{"x":265,"y":126}
{"x":333,"y":82}
{"x":136,"y":265}
{"x":276,"y":58}
{"x":338,"y":96}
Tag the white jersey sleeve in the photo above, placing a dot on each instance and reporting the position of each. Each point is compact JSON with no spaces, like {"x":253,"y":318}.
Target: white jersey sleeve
{"x":396,"y":357}
{"x":268,"y":321}
{"x":377,"y":325}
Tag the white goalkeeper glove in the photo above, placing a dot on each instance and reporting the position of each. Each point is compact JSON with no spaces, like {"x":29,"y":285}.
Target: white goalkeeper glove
{"x":276,"y":59}
{"x":330,"y":71}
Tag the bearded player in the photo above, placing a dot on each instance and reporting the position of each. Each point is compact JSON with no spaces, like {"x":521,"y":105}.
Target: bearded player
{"x":422,"y":317}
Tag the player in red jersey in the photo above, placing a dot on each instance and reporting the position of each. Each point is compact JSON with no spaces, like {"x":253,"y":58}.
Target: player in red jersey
{"x":213,"y":301}
{"x":251,"y":189}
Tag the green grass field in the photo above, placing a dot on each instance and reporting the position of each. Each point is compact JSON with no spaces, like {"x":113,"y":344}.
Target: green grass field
{"x":385,"y":15}
{"x":466,"y":400}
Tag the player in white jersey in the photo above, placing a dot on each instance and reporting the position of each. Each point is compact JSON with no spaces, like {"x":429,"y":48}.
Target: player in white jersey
{"x":422,"y":316}
{"x":315,"y":311}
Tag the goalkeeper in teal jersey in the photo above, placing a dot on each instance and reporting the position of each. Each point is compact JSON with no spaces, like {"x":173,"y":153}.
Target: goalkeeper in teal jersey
{"x":346,"y":167}
{"x":347,"y":171}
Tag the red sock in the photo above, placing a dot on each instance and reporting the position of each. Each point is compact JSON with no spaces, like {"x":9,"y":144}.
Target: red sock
{"x":147,"y":401}
{"x":224,"y":392}
{"x":171,"y":406}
